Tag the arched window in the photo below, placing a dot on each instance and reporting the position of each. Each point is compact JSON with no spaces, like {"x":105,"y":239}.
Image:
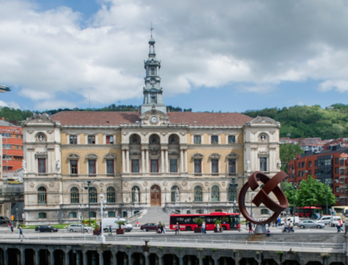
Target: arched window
{"x":173,"y":193}
{"x":92,"y":195}
{"x":198,"y":194}
{"x":135,"y":194}
{"x":74,"y":195}
{"x":264,"y":211}
{"x":215,"y":194}
{"x":42,"y":195}
{"x":110,"y":194}
{"x":135,"y":139}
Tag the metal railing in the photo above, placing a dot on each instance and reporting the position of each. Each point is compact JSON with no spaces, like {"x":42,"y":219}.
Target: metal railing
{"x":180,"y":242}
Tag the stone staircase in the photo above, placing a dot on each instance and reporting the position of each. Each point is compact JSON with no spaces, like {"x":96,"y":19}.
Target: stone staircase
{"x":153,"y":215}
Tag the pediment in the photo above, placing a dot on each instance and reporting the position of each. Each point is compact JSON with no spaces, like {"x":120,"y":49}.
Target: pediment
{"x":232,"y":156}
{"x":41,"y":119}
{"x":264,"y":120}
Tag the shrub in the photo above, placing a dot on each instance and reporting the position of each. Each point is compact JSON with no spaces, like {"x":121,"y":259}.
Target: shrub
{"x":198,"y":220}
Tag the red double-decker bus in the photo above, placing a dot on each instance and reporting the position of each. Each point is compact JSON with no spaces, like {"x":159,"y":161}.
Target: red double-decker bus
{"x":228,"y":221}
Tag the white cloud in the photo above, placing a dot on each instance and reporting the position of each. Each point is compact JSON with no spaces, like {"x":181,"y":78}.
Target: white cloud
{"x":261,"y":43}
{"x":338,"y":85}
{"x":10,"y":104}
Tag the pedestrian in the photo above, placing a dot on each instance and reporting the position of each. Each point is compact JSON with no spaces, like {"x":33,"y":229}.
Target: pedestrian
{"x":268,"y":233}
{"x":177,"y":229}
{"x":163,"y":228}
{"x":11,"y":228}
{"x":160,"y":228}
{"x":203,"y":228}
{"x":110,"y":230}
{"x":250,"y":228}
{"x":339,"y":226}
{"x":21,"y":233}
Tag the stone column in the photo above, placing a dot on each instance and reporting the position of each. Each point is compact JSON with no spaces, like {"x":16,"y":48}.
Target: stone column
{"x":148,"y":162}
{"x":146,"y":254}
{"x":167,"y":161}
{"x":162,"y":161}
{"x":181,"y":260}
{"x":160,"y":260}
{"x":51,"y":257}
{"x":78,"y":258}
{"x":22,"y":256}
{"x":67,"y":258}
{"x":185,"y":161}
{"x":36,"y":258}
{"x":84,"y":257}
{"x":129,"y":259}
{"x":143,"y":161}
{"x":182,"y":161}
{"x":200,"y":260}
{"x":123,"y":161}
{"x":127,"y":160}
{"x":101,"y":258}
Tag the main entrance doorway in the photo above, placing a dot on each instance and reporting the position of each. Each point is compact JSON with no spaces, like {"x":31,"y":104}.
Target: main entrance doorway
{"x":155,"y":193}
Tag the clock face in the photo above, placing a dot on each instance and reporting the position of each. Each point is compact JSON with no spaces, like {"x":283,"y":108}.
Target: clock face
{"x":153,"y":119}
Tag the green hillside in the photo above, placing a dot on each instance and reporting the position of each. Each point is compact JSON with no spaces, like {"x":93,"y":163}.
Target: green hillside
{"x":309,"y":121}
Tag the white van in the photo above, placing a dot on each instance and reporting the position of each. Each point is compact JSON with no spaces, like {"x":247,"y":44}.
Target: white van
{"x":295,"y":220}
{"x":111,"y":221}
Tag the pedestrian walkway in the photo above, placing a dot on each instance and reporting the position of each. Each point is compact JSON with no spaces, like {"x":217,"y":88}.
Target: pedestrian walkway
{"x":154,"y":215}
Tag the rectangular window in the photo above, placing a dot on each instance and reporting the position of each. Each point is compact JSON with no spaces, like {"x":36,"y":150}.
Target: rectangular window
{"x":197,"y":139}
{"x":342,"y":180}
{"x":214,"y":139}
{"x":299,"y":164}
{"x":110,"y":166}
{"x":135,"y":165}
{"x":42,"y":215}
{"x":215,"y":166}
{"x":342,"y":191}
{"x":337,"y":198}
{"x":109,"y":139}
{"x":198,"y":168}
{"x":42,"y":165}
{"x":341,"y":171}
{"x":303,"y":164}
{"x":316,"y":163}
{"x":341,"y":162}
{"x":316,"y":172}
{"x":154,"y":165}
{"x":73,"y":166}
{"x":336,"y":189}
{"x":300,"y":173}
{"x":342,"y":201}
{"x":91,"y":166}
{"x":336,"y":160}
{"x":231,"y":139}
{"x":231,"y":166}
{"x":72,"y":214}
{"x":91,"y":139}
{"x":92,"y":214}
{"x":310,"y":164}
{"x":263,"y":164}
{"x":173,"y":165}
{"x":6,"y":146}
{"x":336,"y":170}
{"x":111,"y":214}
{"x":73,"y":139}
{"x":310,"y":172}
{"x":152,"y":71}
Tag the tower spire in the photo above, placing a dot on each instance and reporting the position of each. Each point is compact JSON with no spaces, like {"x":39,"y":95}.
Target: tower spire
{"x":151,"y":29}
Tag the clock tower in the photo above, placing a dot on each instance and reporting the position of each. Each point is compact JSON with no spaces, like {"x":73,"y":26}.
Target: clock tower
{"x":152,"y":90}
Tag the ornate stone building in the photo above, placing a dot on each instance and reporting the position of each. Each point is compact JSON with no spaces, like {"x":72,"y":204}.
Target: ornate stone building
{"x":187,"y":161}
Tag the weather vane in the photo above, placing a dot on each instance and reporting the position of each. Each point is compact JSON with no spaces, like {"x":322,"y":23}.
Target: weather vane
{"x":151,"y":29}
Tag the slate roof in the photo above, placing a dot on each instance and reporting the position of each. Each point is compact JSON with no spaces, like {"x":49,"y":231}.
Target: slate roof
{"x":115,"y":118}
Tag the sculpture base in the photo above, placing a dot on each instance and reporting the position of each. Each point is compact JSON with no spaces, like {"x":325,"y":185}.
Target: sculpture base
{"x":260,"y":229}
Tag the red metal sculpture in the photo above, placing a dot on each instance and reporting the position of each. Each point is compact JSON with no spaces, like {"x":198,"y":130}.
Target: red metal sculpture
{"x":270,"y":185}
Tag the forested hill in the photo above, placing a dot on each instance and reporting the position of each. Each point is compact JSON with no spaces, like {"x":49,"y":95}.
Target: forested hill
{"x":309,"y":121}
{"x":298,"y":121}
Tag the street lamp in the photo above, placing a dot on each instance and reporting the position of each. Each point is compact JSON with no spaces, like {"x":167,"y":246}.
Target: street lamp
{"x":251,"y":205}
{"x":293,"y":198}
{"x":234,"y":204}
{"x":17,"y":216}
{"x":88,"y":183}
{"x":102,"y":237}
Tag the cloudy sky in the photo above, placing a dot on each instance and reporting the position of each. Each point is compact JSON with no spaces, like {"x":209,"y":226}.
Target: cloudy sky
{"x":228,"y":55}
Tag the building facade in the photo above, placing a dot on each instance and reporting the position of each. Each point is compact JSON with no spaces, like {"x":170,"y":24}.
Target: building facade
{"x":190,"y":162}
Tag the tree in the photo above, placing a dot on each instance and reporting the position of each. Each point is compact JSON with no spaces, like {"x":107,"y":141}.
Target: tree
{"x":288,"y":152}
{"x":289,"y":193}
{"x":312,"y":192}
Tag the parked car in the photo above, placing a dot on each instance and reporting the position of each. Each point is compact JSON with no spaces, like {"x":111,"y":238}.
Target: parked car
{"x":111,"y":221}
{"x":148,"y":227}
{"x":46,"y":228}
{"x":4,"y":220}
{"x":335,"y":221}
{"x":79,"y":227}
{"x":310,"y":224}
{"x":325,"y":220}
